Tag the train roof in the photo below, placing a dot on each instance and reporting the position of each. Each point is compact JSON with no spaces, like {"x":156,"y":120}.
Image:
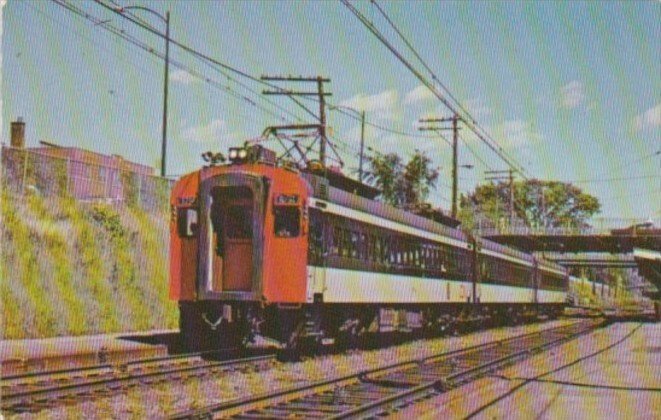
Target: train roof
{"x":323,"y":190}
{"x":496,"y":247}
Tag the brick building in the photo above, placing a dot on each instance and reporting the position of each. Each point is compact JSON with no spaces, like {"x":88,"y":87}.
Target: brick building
{"x":89,"y":175}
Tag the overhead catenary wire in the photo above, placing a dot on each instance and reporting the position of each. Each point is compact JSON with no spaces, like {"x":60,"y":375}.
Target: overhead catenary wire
{"x":475,"y":128}
{"x":208,"y":60}
{"x":200,"y":55}
{"x":222,"y":72}
{"x":624,"y":178}
{"x":99,"y":23}
{"x":422,"y":61}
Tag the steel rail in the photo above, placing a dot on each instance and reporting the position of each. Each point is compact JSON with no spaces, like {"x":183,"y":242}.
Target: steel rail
{"x":450,"y":381}
{"x":378,"y":392}
{"x":24,"y":400}
{"x":36,"y":374}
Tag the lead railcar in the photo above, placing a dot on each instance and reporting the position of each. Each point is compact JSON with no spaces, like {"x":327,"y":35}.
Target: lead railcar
{"x":260,"y":249}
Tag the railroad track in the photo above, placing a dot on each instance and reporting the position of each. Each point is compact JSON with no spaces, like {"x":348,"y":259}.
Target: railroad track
{"x":380,"y":391}
{"x":33,"y":392}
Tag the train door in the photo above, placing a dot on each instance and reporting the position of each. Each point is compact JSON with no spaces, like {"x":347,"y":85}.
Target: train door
{"x":232,"y":224}
{"x":317,"y":257}
{"x":237,"y":274}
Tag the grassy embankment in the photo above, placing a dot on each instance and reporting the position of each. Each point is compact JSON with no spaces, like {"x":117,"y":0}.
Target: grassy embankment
{"x":587,"y":296}
{"x":70,"y":268}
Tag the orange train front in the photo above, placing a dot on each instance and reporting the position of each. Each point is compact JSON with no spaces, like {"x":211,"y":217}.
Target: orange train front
{"x":259,"y":250}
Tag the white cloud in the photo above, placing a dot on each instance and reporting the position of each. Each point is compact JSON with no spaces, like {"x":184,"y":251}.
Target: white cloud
{"x":515,"y":133}
{"x":418,"y":94}
{"x":215,"y":130}
{"x":648,"y":119}
{"x":182,"y":76}
{"x":384,"y":101}
{"x":572,"y":94}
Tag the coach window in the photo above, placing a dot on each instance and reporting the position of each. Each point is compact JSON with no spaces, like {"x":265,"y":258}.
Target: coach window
{"x":287,"y":221}
{"x":355,"y":239}
{"x":344,"y":243}
{"x":378,"y":256}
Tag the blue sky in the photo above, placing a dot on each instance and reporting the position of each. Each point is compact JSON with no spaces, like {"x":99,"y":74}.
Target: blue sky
{"x":571,"y":90}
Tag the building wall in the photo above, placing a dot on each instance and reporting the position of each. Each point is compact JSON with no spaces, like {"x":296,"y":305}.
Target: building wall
{"x":93,"y":175}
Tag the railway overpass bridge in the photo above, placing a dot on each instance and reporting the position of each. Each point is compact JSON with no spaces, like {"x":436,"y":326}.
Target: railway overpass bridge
{"x":638,"y":245}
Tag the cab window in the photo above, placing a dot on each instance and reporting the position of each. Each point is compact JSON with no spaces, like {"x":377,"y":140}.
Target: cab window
{"x":186,"y":222}
{"x":287,"y":221}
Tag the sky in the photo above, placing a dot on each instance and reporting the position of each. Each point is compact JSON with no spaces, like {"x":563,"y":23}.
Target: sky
{"x":570,"y":90}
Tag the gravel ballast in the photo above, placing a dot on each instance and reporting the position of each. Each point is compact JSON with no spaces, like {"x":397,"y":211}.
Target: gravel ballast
{"x":159,"y":400}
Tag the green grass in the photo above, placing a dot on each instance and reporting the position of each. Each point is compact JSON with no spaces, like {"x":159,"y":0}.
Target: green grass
{"x":55,"y":244}
{"x":70,"y":268}
{"x":38,"y":316}
{"x":154,"y":249}
{"x":89,"y":260}
{"x":124,"y":275}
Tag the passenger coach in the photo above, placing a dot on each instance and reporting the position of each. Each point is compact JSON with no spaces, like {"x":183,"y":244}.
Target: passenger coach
{"x":262,"y":250}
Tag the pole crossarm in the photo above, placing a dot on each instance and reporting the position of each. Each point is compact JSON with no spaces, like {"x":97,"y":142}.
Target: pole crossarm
{"x":455,"y":119}
{"x":320,"y":94}
{"x":295,"y":79}
{"x":294,"y":93}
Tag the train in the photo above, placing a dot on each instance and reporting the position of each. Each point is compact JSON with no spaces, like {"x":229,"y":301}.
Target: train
{"x":261,"y":249}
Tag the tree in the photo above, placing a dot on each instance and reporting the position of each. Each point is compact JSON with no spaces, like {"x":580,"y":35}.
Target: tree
{"x":536,"y":203}
{"x":402,"y":185}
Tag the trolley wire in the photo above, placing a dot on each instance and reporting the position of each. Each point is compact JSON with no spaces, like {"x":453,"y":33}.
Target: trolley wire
{"x":99,"y":23}
{"x":223,"y":66}
{"x":215,"y":63}
{"x":474,"y":127}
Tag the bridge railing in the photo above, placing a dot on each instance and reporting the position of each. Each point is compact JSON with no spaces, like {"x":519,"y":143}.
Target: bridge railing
{"x":597,"y":226}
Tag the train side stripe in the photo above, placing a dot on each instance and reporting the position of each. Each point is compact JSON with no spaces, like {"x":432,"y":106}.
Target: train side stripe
{"x":388,"y":224}
{"x":505,"y":257}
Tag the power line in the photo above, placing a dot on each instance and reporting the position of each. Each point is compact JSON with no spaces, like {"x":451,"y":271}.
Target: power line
{"x":626,"y":178}
{"x":224,"y":73}
{"x":99,"y":23}
{"x":473,"y":126}
{"x":475,"y":155}
{"x":379,"y":127}
{"x":410,"y":46}
{"x":198,"y":54}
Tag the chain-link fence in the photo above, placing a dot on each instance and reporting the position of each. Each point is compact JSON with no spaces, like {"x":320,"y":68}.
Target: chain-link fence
{"x":27,"y":171}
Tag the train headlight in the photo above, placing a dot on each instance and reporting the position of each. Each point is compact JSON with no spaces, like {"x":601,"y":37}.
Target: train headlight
{"x":238,"y":154}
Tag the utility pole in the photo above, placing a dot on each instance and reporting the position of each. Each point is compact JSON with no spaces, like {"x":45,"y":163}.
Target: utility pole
{"x":455,"y":143}
{"x":166,"y":20}
{"x":165,"y":94}
{"x":499,"y":176}
{"x":320,"y":94}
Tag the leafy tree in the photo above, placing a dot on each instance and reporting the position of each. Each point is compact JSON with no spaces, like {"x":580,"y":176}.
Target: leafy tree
{"x":402,"y":185}
{"x":536,"y":203}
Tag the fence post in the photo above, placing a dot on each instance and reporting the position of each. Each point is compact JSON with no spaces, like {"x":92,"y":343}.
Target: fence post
{"x":68,"y":175}
{"x":139,"y":203}
{"x":25,"y":171}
